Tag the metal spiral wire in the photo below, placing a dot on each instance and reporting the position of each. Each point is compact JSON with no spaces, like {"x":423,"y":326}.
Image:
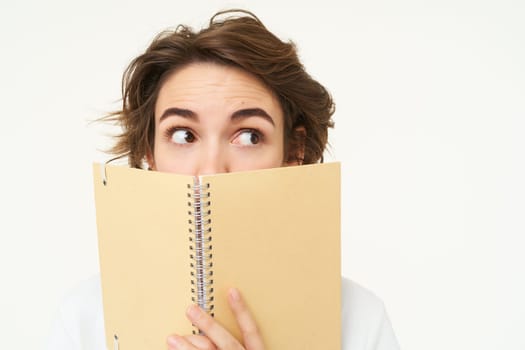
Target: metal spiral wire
{"x":200,"y":245}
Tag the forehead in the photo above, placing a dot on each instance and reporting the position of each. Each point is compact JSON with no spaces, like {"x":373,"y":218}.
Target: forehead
{"x":200,"y":86}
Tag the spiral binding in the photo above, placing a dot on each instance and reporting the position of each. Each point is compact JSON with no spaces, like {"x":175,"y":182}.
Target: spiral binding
{"x":200,"y":245}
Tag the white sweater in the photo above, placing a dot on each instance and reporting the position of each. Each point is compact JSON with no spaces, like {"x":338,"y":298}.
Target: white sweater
{"x":79,"y":324}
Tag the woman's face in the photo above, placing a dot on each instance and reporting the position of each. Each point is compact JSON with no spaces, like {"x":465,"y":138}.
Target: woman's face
{"x":215,"y":119}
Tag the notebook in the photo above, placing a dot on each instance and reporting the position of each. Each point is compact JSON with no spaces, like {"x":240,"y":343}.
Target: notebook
{"x":167,"y":241}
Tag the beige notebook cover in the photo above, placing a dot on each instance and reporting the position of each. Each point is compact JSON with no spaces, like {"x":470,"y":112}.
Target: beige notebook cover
{"x":275,"y":235}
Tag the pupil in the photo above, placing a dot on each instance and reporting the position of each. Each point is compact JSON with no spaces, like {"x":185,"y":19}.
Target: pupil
{"x":254,"y":138}
{"x":189,"y":137}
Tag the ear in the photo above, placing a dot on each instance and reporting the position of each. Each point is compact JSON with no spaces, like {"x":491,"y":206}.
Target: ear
{"x":296,"y":146}
{"x":150,"y":160}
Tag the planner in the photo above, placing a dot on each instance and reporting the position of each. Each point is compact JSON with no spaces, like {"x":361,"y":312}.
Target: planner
{"x":168,"y":240}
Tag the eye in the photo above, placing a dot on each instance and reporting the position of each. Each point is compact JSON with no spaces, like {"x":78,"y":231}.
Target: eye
{"x":248,"y":137}
{"x":182,"y":136}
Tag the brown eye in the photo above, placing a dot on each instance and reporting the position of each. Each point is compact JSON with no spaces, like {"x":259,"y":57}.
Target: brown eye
{"x":254,"y":138}
{"x":248,"y":138}
{"x":182,"y":136}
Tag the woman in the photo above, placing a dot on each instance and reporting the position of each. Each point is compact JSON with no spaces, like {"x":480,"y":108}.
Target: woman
{"x":231,"y":97}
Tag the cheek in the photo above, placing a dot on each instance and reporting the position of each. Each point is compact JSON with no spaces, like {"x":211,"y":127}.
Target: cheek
{"x":175,"y":166}
{"x":166,"y":160}
{"x":271,"y":158}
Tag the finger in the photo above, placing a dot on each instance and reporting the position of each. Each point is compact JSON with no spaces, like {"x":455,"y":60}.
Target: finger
{"x":176,"y":342}
{"x":250,"y":333}
{"x":201,"y":342}
{"x":213,"y":330}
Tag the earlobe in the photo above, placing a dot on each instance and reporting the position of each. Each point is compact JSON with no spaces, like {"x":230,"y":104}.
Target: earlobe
{"x":150,"y":161}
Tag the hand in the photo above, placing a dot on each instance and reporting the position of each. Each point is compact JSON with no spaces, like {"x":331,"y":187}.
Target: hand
{"x":218,"y":338}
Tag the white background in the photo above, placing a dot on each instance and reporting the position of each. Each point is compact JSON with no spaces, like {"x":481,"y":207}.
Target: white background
{"x":430,"y":127}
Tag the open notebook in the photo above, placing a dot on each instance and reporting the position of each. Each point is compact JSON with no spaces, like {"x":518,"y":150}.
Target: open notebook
{"x":168,"y":240}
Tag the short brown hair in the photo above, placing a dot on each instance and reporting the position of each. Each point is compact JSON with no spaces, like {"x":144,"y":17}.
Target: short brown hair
{"x":240,"y":40}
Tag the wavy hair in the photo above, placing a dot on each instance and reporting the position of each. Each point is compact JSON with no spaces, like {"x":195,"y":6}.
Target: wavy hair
{"x":234,"y":38}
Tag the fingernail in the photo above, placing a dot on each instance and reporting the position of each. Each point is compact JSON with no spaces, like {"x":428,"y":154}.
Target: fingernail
{"x":234,"y":294}
{"x":193,"y":312}
{"x":174,"y":340}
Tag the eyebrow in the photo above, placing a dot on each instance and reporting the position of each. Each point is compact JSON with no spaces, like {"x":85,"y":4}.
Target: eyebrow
{"x":239,"y":114}
{"x":185,"y":113}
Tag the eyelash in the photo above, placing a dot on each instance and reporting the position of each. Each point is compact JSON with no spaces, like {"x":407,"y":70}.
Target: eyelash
{"x":257,"y":132}
{"x":169,"y":132}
